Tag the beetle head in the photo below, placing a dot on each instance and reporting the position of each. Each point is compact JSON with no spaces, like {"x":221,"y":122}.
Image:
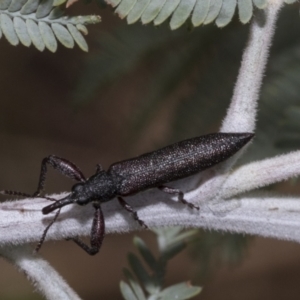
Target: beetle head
{"x":57,"y":204}
{"x":79,"y":195}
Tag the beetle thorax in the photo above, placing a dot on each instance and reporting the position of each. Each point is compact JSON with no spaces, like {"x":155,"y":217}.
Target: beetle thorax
{"x":98,"y":187}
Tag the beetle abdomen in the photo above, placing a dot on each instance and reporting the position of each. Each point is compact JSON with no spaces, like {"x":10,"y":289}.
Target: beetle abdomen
{"x":176,"y":161}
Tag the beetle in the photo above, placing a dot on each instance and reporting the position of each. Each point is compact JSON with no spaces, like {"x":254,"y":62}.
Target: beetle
{"x":128,"y":177}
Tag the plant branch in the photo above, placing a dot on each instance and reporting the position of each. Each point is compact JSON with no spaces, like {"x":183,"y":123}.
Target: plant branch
{"x":39,"y":272}
{"x":241,"y":115}
{"x":260,"y":173}
{"x":260,"y":215}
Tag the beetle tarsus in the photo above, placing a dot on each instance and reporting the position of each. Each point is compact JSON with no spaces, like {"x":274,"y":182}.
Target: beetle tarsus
{"x":170,"y":190}
{"x":132,"y":211}
{"x":41,"y":241}
{"x":15,"y":193}
{"x":97,"y":233}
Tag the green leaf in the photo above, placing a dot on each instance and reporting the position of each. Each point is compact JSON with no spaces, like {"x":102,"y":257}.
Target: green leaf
{"x":20,"y":22}
{"x":127,"y":291}
{"x":82,"y":29}
{"x":145,"y":252}
{"x":4,"y":4}
{"x":200,"y":12}
{"x":30,"y":7}
{"x":48,"y":36}
{"x":63,"y":35}
{"x":21,"y":30}
{"x":245,"y":10}
{"x":124,"y":8}
{"x":44,"y":8}
{"x":79,"y":39}
{"x":180,"y":291}
{"x":166,"y":236}
{"x":136,"y":288}
{"x":226,"y":13}
{"x":137,"y":11}
{"x":185,"y":236}
{"x":141,"y":273}
{"x":92,"y":19}
{"x":167,"y":232}
{"x":172,"y":250}
{"x":182,"y":13}
{"x":152,"y":284}
{"x":7,"y":27}
{"x":213,"y":11}
{"x":56,"y":13}
{"x":166,"y":11}
{"x":35,"y":35}
{"x":152,"y":10}
{"x":16,"y":5}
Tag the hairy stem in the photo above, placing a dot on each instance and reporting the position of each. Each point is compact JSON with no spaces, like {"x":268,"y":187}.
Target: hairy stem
{"x":241,"y":115}
{"x":39,"y":272}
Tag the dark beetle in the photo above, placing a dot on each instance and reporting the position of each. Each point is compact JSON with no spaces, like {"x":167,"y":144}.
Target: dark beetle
{"x":153,"y":169}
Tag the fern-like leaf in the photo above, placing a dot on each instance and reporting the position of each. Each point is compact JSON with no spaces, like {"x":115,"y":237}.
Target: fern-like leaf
{"x":201,"y":11}
{"x":41,"y":23}
{"x":150,"y":285}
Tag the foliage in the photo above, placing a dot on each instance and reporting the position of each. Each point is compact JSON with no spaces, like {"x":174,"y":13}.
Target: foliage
{"x":201,"y":12}
{"x":40,"y":23}
{"x":149,"y":285}
{"x":259,"y":214}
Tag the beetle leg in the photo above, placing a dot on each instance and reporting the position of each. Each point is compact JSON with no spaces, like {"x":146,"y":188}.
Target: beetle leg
{"x":132,"y":211}
{"x":97,"y":233}
{"x":41,"y":242}
{"x":62,"y":165}
{"x":171,"y":191}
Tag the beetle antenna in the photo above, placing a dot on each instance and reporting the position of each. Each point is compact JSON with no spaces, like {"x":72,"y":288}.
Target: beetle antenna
{"x":46,"y":210}
{"x":21,"y":194}
{"x":57,"y":204}
{"x":15,"y":193}
{"x":41,"y":242}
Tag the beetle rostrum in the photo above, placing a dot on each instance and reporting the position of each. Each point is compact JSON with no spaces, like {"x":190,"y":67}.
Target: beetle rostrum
{"x":151,"y":170}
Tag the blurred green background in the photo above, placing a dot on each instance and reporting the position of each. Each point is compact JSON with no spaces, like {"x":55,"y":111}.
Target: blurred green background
{"x":140,"y":88}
